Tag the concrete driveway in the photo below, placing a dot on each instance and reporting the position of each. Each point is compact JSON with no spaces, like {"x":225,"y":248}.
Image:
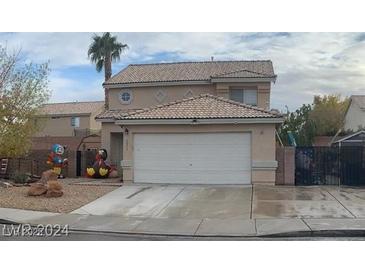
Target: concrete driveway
{"x":204,"y":211}
{"x":229,"y":202}
{"x":217,"y":210}
{"x":308,"y":202}
{"x":187,"y":202}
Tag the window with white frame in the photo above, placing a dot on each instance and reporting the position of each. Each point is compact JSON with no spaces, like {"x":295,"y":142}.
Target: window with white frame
{"x":125,"y":97}
{"x":75,"y":122}
{"x":246,"y":96}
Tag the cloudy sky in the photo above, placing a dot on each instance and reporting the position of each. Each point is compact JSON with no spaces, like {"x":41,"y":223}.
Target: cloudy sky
{"x":306,"y":63}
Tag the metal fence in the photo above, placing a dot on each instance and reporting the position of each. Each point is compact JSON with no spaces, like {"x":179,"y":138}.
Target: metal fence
{"x":84,"y":159}
{"x":330,"y":166}
{"x":33,"y":163}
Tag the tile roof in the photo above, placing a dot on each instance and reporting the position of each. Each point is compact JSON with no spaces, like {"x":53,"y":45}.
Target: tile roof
{"x":71,"y":108}
{"x":205,"y":106}
{"x":193,"y":71}
{"x":114,"y":114}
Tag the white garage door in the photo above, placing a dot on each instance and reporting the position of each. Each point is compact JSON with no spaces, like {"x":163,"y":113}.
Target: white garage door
{"x":200,"y":158}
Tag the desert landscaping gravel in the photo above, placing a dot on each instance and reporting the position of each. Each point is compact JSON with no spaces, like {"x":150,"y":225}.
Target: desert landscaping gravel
{"x":74,"y":197}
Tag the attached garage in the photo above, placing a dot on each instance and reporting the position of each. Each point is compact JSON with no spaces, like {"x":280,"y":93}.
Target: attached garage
{"x":199,"y":140}
{"x":192,"y":158}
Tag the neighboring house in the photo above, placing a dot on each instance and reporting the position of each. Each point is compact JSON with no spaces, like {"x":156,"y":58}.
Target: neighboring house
{"x":192,"y":122}
{"x":353,"y":124}
{"x":355,"y":114}
{"x":69,"y":119}
{"x":354,"y":139}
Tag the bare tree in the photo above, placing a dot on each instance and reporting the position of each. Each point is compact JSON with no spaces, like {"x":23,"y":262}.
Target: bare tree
{"x":23,"y":89}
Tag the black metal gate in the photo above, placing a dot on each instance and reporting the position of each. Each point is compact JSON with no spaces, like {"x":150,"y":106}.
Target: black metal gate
{"x":83,"y":160}
{"x":78,"y":163}
{"x":352,"y":165}
{"x":330,"y":166}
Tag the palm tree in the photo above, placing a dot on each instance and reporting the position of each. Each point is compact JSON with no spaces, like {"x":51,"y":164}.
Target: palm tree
{"x":103,"y":51}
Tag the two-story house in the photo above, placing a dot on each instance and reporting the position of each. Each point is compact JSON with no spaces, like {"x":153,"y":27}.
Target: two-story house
{"x":71,"y":124}
{"x":69,"y":119}
{"x":355,"y":114}
{"x":192,"y":122}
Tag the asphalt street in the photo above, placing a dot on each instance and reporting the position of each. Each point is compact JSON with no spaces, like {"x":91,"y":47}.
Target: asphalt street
{"x":96,"y":236}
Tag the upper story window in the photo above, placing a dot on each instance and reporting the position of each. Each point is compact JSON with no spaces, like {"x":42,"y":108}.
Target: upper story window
{"x":246,"y":96}
{"x":75,"y":121}
{"x":125,"y":97}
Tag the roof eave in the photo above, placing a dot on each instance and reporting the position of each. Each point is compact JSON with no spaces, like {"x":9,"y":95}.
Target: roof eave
{"x":349,"y":136}
{"x":105,"y":120}
{"x":192,"y":121}
{"x":156,"y":84}
{"x":46,"y":115}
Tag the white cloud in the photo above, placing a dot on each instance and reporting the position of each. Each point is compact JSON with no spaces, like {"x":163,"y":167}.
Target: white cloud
{"x":68,"y":90}
{"x":62,"y":49}
{"x":306,"y":63}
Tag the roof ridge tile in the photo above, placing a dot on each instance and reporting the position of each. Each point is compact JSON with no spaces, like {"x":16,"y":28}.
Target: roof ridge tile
{"x":200,"y":62}
{"x":240,"y":70}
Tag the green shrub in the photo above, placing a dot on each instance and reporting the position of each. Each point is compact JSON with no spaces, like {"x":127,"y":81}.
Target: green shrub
{"x":19,"y":177}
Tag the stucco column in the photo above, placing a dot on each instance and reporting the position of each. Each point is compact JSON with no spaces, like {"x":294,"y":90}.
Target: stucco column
{"x":127,"y":162}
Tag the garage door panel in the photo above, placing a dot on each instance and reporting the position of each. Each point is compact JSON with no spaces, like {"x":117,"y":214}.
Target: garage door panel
{"x":209,"y":164}
{"x":216,"y":158}
{"x":201,"y":161}
{"x":193,"y":138}
{"x":193,"y":177}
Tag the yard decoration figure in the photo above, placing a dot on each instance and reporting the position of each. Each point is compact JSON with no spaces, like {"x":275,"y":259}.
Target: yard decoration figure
{"x":55,"y":160}
{"x":100,"y":168}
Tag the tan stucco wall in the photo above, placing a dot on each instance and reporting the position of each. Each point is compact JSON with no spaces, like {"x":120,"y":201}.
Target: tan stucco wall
{"x":94,"y":124}
{"x":354,"y":118}
{"x":146,"y":96}
{"x":107,"y":129}
{"x":262,"y":136}
{"x":60,"y":126}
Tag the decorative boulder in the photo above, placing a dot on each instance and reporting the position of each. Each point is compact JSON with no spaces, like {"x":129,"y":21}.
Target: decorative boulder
{"x":48,"y":185}
{"x":54,"y":193}
{"x":54,"y":189}
{"x":48,"y":175}
{"x":37,"y":189}
{"x":54,"y":185}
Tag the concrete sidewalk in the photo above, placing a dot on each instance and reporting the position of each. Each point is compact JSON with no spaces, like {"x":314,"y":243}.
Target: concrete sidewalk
{"x":183,"y":226}
{"x":23,"y":216}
